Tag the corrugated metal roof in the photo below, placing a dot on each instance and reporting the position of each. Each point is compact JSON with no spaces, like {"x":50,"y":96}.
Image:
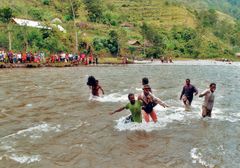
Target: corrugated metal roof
{"x":31,"y":23}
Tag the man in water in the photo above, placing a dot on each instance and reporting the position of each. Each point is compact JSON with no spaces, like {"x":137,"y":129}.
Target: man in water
{"x":134,"y":106}
{"x":187,"y":94}
{"x":208,"y":100}
{"x":149,"y":101}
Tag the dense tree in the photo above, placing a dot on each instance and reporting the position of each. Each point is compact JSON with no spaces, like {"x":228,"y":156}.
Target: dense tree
{"x":5,"y":16}
{"x":36,"y":14}
{"x":208,"y":18}
{"x":94,"y":9}
{"x":111,"y":43}
{"x":154,"y":37}
{"x":72,"y":10}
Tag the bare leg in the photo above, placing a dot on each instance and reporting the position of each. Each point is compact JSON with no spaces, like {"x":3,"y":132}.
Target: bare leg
{"x":153,"y":116}
{"x":146,"y":116}
{"x":204,"y":111}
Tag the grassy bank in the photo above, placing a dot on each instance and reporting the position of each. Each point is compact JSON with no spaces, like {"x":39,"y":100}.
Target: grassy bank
{"x":114,"y":60}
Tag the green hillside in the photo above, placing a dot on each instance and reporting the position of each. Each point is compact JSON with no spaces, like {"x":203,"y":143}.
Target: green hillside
{"x":230,"y":7}
{"x":180,"y":28}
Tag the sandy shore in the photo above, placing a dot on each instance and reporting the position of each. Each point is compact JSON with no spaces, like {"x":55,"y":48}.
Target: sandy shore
{"x":188,"y":62}
{"x":147,"y":62}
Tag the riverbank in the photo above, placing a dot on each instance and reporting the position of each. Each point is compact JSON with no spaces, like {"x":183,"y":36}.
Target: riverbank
{"x":114,"y":61}
{"x":34,"y":65}
{"x":117,"y":61}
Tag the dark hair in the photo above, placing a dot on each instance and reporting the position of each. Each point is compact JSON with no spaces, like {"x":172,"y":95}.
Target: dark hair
{"x":130,"y":94}
{"x":145,"y":81}
{"x":188,"y":79}
{"x":91,"y":81}
{"x":212,"y":84}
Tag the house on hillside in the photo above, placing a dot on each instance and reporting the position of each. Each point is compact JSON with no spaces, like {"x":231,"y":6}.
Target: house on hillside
{"x":35,"y":24}
{"x":127,"y":24}
{"x":134,"y":43}
{"x":237,"y":55}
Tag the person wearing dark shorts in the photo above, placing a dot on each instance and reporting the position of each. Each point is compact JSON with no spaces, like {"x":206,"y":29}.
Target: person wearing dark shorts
{"x":149,"y":101}
{"x":187,"y":93}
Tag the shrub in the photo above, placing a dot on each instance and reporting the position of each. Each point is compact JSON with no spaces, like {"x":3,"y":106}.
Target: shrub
{"x":46,"y":2}
{"x":36,"y":14}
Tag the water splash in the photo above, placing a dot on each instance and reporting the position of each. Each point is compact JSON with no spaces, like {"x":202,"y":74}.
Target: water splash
{"x":8,"y":143}
{"x":22,"y":158}
{"x":197,"y":157}
{"x":44,"y":127}
{"x":165,"y":116}
{"x":114,"y":97}
{"x":170,"y":115}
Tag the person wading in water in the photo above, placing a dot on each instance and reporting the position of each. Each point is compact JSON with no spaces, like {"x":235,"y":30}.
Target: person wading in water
{"x":134,"y":106}
{"x":149,"y":101}
{"x":94,"y":86}
{"x":187,"y":94}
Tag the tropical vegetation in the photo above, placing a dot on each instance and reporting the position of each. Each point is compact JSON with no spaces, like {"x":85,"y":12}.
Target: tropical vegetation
{"x":178,"y":28}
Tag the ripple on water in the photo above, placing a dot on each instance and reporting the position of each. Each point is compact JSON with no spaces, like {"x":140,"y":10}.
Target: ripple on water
{"x":9,"y":143}
{"x":22,"y":158}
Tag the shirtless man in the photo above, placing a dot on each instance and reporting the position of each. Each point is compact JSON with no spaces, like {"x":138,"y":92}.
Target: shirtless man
{"x":208,"y":100}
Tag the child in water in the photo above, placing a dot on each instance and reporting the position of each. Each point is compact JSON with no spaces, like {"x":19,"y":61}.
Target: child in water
{"x":94,"y":86}
{"x":145,"y":81}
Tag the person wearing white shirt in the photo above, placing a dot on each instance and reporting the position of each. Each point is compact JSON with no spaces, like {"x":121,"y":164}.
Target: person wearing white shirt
{"x":208,"y":102}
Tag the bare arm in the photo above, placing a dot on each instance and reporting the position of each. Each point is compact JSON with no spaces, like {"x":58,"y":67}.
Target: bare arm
{"x":204,"y":93}
{"x":118,"y":110}
{"x":101,"y":89}
{"x":159,"y":101}
{"x":140,"y":98}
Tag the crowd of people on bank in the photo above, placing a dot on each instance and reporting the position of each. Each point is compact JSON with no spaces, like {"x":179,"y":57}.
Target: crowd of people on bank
{"x":21,"y":57}
{"x":40,"y":57}
{"x":69,"y":57}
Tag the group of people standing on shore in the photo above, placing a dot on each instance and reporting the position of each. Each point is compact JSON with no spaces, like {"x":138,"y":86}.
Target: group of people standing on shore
{"x":146,"y":101}
{"x":39,"y":57}
{"x":21,"y":57}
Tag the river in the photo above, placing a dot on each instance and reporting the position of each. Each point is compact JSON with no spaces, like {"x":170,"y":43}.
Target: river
{"x":48,"y":118}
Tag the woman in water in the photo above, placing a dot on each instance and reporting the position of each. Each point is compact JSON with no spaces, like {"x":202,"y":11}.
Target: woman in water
{"x":94,"y":86}
{"x":149,"y":101}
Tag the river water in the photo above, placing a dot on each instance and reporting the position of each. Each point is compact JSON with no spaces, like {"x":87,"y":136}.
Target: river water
{"x":48,"y":119}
